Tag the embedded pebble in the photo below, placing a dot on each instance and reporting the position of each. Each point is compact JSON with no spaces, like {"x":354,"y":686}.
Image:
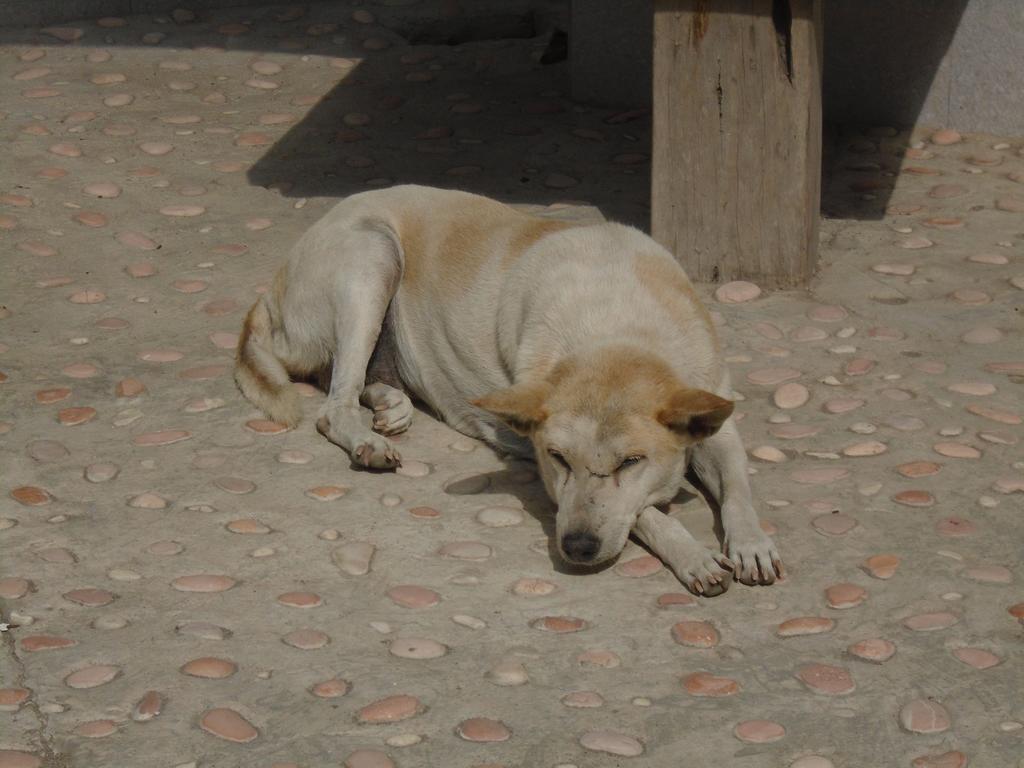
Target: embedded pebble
{"x":834,"y":523}
{"x":209,"y":667}
{"x":791,"y":395}
{"x":509,"y":672}
{"x":612,"y":742}
{"x":483,"y":730}
{"x":91,"y":677}
{"x":417,"y":648}
{"x":466,"y":550}
{"x":979,"y":658}
{"x":706,"y":684}
{"x":759,"y":731}
{"x":412,"y":596}
{"x":826,"y":679}
{"x":931,"y":622}
{"x":882,"y":566}
{"x":306,"y":639}
{"x":203,"y":583}
{"x":392,"y":709}
{"x":696,"y":634}
{"x":805,"y":625}
{"x":354,"y":558}
{"x":229,"y":725}
{"x":148,"y":707}
{"x":843,"y":596}
{"x":924,"y":716}
{"x":500,"y":517}
{"x":737,"y":292}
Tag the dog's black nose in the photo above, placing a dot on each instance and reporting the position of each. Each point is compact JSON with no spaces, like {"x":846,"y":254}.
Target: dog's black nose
{"x":580,"y":547}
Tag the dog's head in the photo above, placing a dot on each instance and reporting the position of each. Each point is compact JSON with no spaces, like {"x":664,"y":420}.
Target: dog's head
{"x":611,"y":432}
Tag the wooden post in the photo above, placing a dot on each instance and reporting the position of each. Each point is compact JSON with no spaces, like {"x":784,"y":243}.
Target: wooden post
{"x":736,"y":161}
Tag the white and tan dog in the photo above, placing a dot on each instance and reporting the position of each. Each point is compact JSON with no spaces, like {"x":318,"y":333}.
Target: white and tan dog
{"x":584,"y":346}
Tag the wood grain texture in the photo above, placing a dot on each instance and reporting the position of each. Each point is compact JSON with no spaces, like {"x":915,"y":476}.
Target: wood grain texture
{"x":736,"y":160}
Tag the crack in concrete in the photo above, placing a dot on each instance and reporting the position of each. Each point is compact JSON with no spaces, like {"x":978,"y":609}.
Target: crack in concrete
{"x":42,"y":742}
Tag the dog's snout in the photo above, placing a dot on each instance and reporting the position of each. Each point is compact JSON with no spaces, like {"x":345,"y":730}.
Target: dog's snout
{"x":580,"y":547}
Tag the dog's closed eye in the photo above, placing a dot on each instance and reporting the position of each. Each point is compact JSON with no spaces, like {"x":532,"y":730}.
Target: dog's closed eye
{"x":560,"y":459}
{"x":629,"y":461}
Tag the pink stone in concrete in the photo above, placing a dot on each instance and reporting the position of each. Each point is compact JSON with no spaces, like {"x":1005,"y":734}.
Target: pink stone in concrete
{"x":882,"y":566}
{"x":915,"y":469}
{"x":392,"y":709}
{"x":696,"y":634}
{"x":844,"y":596}
{"x":805,"y":625}
{"x":413,"y":596}
{"x":930,"y":622}
{"x":979,"y":658}
{"x":639,"y":567}
{"x":148,"y":707}
{"x":306,"y":639}
{"x":834,"y":523}
{"x":533,"y":587}
{"x":210,"y":667}
{"x":759,"y":731}
{"x":989,"y":574}
{"x":331,"y":689}
{"x":327,"y":492}
{"x":300,"y":599}
{"x":955,"y":526}
{"x":612,"y":743}
{"x":924,"y":716}
{"x":96,"y":729}
{"x":367,"y":758}
{"x":37,"y":643}
{"x":706,"y":684}
{"x":31,"y":496}
{"x":165,"y":437}
{"x":559,"y":624}
{"x":203,"y":583}
{"x":92,"y":677}
{"x":228,"y":725}
{"x":737,"y":292}
{"x":826,"y":679}
{"x":90,"y":598}
{"x":914,"y":498}
{"x":952,"y":759}
{"x":483,"y":729}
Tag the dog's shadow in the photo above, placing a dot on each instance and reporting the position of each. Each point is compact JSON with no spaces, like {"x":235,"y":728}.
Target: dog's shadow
{"x":690,"y":504}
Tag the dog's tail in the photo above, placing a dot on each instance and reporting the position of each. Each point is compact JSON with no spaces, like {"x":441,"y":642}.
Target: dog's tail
{"x":259,"y":373}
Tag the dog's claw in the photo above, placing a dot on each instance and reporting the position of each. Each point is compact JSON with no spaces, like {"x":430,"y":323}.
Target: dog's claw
{"x":780,"y":570}
{"x":725,"y":562}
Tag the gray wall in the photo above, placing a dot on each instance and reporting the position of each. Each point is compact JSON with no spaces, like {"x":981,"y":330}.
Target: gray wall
{"x":957,"y":63}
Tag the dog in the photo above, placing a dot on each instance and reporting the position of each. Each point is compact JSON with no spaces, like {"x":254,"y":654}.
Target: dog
{"x":583,"y":346}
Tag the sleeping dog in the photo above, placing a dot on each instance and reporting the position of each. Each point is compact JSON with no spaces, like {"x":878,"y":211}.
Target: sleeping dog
{"x":582,"y":346}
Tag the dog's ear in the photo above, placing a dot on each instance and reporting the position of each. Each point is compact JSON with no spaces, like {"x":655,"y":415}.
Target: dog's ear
{"x":520,"y":406}
{"x":694,"y":413}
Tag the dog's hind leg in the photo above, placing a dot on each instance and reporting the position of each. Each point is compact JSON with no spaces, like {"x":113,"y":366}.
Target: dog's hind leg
{"x":384,"y":394}
{"x":392,"y":408}
{"x":361,"y":298}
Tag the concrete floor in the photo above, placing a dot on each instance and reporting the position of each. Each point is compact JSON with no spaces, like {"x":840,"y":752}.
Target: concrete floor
{"x":181,"y":580}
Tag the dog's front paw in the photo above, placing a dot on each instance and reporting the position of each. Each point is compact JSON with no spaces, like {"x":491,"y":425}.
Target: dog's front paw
{"x":366,"y":448}
{"x":377,"y":454}
{"x":754,"y":554}
{"x":703,"y":572}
